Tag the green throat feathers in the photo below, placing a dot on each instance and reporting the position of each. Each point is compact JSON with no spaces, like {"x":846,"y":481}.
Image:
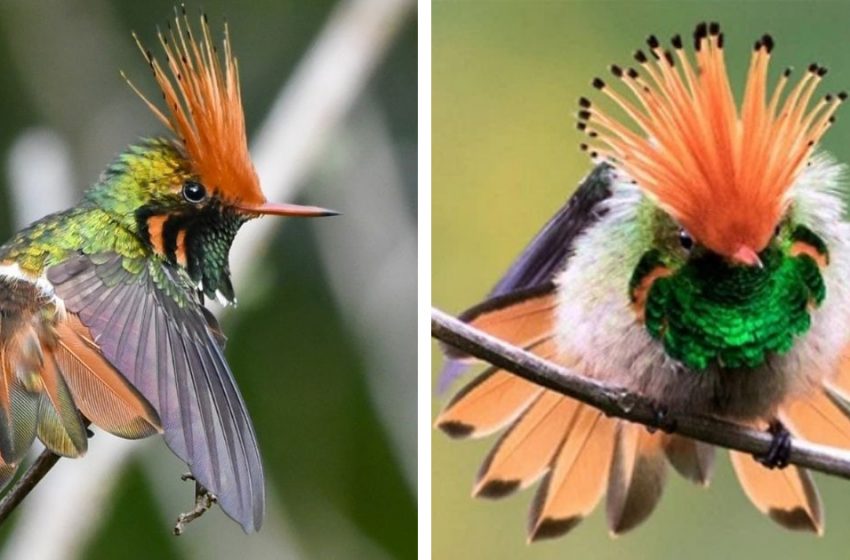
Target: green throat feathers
{"x":709,"y":311}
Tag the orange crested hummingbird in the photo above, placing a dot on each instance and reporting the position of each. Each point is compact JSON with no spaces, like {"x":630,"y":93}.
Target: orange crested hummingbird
{"x":705,"y":264}
{"x":102,"y":315}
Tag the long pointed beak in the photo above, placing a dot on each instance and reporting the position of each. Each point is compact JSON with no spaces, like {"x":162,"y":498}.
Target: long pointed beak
{"x":279,"y":209}
{"x":747,"y":257}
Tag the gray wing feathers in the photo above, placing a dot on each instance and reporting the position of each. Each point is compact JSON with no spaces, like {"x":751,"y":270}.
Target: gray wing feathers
{"x":547,"y":254}
{"x":171,"y":352}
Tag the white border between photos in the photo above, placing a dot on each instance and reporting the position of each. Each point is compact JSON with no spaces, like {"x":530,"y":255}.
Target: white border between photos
{"x":424,"y":281}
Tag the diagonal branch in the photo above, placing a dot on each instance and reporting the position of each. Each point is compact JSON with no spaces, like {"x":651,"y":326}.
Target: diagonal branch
{"x":26,"y":483}
{"x":616,"y":401}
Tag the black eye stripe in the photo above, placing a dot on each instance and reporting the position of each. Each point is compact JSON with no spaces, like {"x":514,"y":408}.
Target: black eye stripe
{"x":194,"y":192}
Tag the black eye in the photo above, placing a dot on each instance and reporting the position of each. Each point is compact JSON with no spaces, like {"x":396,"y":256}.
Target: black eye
{"x":194,"y":192}
{"x":777,"y":231}
{"x":685,"y":240}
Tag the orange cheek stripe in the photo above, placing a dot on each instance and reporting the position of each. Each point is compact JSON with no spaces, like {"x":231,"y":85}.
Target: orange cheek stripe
{"x":803,"y":248}
{"x":155,"y":224}
{"x":642,"y":290}
{"x":181,"y":247}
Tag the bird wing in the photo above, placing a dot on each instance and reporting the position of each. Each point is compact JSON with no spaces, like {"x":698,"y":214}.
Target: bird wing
{"x":532,"y":273}
{"x":552,"y":247}
{"x":147,"y":323}
{"x":53,"y":380}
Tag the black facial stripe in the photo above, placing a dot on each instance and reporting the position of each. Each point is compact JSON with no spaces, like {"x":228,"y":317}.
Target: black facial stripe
{"x":142,"y":216}
{"x":170,"y":231}
{"x":194,"y":248}
{"x":208,"y":230}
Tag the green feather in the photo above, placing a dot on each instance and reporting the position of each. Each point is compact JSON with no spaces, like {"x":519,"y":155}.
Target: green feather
{"x":711,"y":311}
{"x":145,"y":180}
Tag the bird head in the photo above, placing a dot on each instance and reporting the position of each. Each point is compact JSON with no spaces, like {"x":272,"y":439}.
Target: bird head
{"x":730,"y":271}
{"x":186,"y":196}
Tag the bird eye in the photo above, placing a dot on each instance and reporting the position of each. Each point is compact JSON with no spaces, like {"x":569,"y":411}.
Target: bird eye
{"x":685,"y":240}
{"x":194,"y":192}
{"x":778,"y":230}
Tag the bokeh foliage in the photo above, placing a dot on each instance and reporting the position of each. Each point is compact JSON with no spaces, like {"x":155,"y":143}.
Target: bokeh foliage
{"x":506,"y":79}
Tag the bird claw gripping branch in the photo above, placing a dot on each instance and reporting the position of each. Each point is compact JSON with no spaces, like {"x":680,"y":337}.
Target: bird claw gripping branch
{"x":705,"y":264}
{"x":203,"y":502}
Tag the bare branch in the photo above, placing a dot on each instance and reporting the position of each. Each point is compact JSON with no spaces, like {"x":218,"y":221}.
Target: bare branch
{"x":27,"y":482}
{"x":616,"y":401}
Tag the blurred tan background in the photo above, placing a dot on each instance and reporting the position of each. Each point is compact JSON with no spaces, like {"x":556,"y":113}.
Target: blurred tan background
{"x":322,"y":343}
{"x":506,"y":78}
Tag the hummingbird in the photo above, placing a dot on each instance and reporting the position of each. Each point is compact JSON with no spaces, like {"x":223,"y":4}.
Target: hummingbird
{"x":102,"y":316}
{"x":704,"y":263}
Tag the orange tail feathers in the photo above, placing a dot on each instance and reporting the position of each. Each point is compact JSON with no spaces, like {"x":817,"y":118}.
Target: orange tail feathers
{"x":788,"y":496}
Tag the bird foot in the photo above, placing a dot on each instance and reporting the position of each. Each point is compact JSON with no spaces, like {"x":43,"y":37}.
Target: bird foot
{"x":663,"y":421}
{"x":780,"y":447}
{"x":204,"y":500}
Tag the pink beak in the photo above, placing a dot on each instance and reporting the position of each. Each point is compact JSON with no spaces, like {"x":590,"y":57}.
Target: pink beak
{"x":746,"y":256}
{"x":276,"y":209}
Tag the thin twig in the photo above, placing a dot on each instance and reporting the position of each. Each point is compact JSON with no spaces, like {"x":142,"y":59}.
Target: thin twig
{"x":619,"y":402}
{"x":26,"y":483}
{"x":204,"y":500}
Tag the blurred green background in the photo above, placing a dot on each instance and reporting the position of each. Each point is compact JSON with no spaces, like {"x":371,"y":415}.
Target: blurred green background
{"x":323,"y":342}
{"x":506,"y":77}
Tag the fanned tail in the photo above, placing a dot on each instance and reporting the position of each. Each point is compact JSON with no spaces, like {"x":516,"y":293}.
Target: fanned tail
{"x":491,"y":401}
{"x":692,"y":459}
{"x":788,"y":496}
{"x":523,"y":318}
{"x":520,"y":318}
{"x":638,"y":475}
{"x":526,"y":450}
{"x":577,"y":451}
{"x":52,"y":382}
{"x":576,"y":479}
{"x":35,"y":399}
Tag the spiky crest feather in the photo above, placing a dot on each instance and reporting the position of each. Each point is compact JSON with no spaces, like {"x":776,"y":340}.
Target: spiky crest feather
{"x":205,"y":109}
{"x":722,"y":172}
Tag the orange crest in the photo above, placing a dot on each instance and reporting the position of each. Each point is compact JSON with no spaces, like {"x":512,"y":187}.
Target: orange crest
{"x":722,"y":172}
{"x":205,"y":110}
